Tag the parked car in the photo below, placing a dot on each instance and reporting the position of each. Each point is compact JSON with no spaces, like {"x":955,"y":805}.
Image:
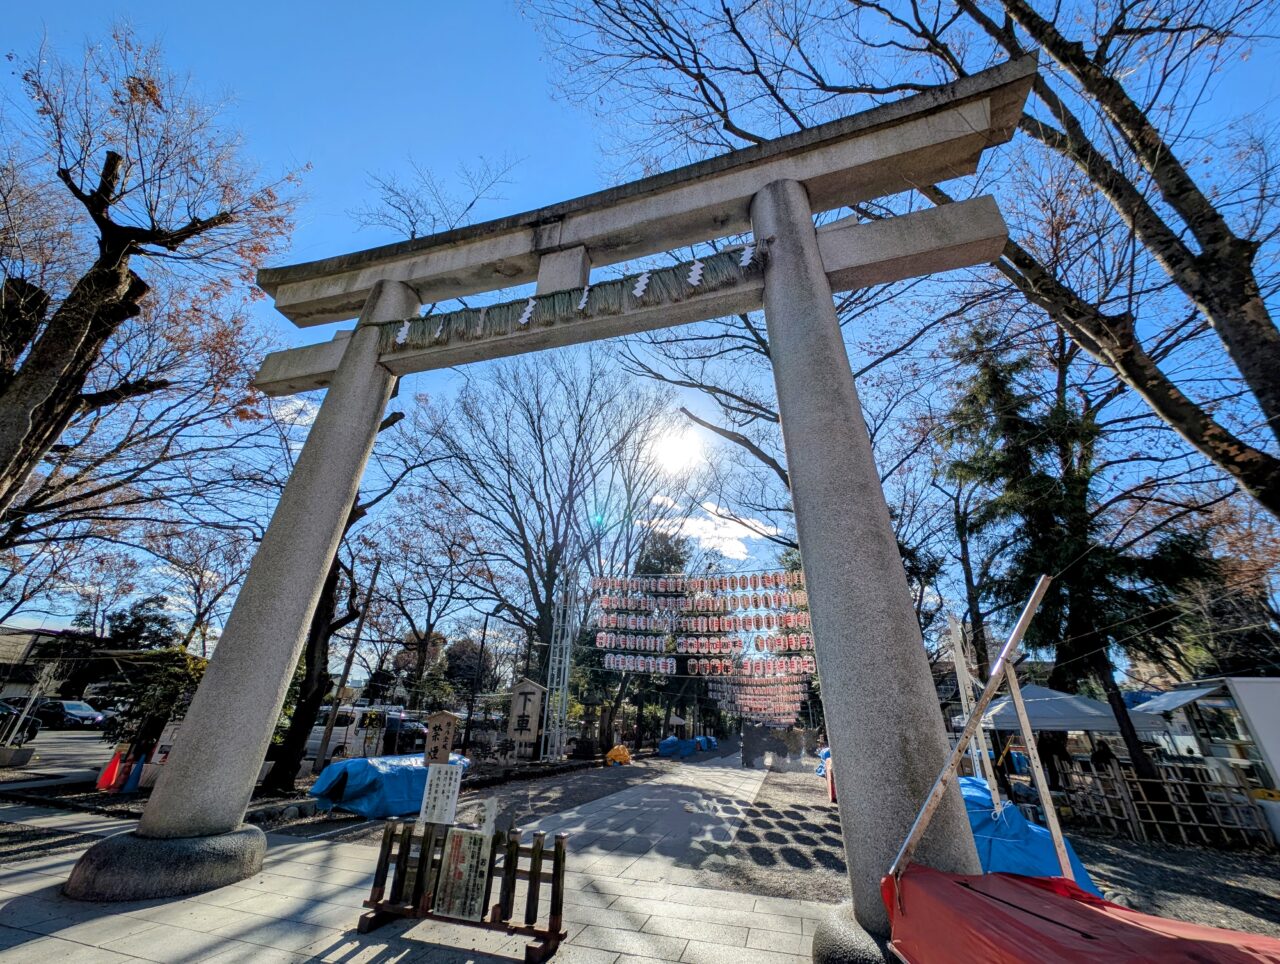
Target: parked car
{"x":112,"y":708}
{"x":69,"y":715}
{"x":9,"y":714}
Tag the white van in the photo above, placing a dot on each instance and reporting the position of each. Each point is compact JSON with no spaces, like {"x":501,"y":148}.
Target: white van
{"x":366,"y":731}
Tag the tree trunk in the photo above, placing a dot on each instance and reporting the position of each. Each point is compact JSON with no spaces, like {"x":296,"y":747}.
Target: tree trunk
{"x":39,"y":401}
{"x":1104,"y":672}
{"x":311,"y":693}
{"x":639,"y":739}
{"x":607,"y":720}
{"x":1111,"y":339}
{"x":420,"y":669}
{"x":973,"y":600}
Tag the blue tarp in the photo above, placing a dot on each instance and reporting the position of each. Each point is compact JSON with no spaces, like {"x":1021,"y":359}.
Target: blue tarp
{"x":380,"y":786}
{"x":1009,"y":843}
{"x":676,"y":747}
{"x":823,"y":756}
{"x":1017,"y":759}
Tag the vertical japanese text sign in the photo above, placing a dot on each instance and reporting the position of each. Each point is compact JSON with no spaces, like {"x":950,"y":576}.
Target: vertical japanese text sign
{"x":440,"y":730}
{"x":525,"y":718}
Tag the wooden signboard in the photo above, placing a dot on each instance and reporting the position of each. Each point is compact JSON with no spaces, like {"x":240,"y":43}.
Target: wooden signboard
{"x":440,"y":730}
{"x":464,"y":874}
{"x":444,"y":873}
{"x":525,"y":718}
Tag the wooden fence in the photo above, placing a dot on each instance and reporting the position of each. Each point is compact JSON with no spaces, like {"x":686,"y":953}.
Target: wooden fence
{"x":1189,"y":805}
{"x":410,"y":868}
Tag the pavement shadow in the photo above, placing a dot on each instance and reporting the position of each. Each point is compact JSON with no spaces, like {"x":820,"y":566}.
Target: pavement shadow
{"x":30,"y":917}
{"x":372,"y":949}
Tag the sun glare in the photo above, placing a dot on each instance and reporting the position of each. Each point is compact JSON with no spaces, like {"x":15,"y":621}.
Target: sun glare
{"x":677,"y":452}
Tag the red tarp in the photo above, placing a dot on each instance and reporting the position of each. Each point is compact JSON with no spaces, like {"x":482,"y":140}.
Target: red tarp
{"x":994,"y":918}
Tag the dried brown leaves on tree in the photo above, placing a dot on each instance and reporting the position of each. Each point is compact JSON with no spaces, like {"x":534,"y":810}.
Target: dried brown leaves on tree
{"x":131,"y":227}
{"x":131,"y":216}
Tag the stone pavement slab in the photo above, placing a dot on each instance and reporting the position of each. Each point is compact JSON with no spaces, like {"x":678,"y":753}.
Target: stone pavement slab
{"x":628,"y":897}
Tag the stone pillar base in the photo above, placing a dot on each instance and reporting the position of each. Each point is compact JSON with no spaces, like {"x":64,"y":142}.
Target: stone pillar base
{"x":129,"y":867}
{"x":840,"y":939}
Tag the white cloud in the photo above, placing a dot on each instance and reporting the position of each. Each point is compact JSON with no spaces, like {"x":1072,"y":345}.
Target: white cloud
{"x":716,"y":528}
{"x":295,"y":410}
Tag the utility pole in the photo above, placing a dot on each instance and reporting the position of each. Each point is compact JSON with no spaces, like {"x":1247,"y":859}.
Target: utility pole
{"x":318,"y":764}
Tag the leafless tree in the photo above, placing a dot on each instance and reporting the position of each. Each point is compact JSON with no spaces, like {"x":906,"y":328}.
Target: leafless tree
{"x":130,"y":219}
{"x":421,"y":203}
{"x":201,"y":567}
{"x":1120,"y":106}
{"x":103,"y":582}
{"x":542,"y":455}
{"x":430,"y":567}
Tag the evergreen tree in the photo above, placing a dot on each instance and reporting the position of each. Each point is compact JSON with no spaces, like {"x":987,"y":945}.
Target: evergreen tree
{"x":1037,"y":451}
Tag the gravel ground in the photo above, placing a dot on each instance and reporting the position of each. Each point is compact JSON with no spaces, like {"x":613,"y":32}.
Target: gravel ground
{"x":525,"y":800}
{"x":85,"y":797}
{"x":1240,"y":891}
{"x":19,"y":842}
{"x":19,"y":775}
{"x":790,"y":846}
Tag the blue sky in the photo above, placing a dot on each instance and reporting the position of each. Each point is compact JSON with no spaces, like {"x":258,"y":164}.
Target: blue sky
{"x":351,"y":88}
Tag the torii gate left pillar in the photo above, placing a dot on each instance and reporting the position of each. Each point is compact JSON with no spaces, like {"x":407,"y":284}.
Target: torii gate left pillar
{"x":883,"y":716}
{"x":191,"y":836}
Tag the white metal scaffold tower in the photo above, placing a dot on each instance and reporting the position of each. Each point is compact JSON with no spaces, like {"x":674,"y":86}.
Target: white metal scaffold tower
{"x":555,"y":710}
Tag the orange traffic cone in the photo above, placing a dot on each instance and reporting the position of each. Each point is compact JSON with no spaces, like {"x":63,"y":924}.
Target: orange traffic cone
{"x":122,"y":774}
{"x":109,"y":772}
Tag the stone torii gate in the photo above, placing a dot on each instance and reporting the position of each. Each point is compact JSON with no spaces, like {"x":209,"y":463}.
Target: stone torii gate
{"x":882,"y":711}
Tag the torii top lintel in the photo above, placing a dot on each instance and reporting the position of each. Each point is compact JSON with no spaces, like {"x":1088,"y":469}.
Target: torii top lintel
{"x":920,"y":140}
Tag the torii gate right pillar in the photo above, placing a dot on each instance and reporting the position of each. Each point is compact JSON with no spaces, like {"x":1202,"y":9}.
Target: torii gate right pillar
{"x":883,"y":719}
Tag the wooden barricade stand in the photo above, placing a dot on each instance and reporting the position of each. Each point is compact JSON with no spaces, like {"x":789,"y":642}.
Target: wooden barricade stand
{"x":412,"y":861}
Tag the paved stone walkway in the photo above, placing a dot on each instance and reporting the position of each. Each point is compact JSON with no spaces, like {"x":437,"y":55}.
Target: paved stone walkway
{"x":629,"y":896}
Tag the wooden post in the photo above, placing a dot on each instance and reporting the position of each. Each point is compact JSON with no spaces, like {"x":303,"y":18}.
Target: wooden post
{"x":507,"y":899}
{"x":1037,"y":772}
{"x":1126,"y":802}
{"x":535,"y":878}
{"x":1001,"y":669}
{"x":557,"y":885}
{"x":495,"y":844}
{"x":978,"y":749}
{"x":423,"y":890}
{"x":384,"y":861}
{"x":402,"y":861}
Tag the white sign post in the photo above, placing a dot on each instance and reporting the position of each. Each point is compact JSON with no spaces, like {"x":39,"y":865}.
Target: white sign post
{"x":440,"y":799}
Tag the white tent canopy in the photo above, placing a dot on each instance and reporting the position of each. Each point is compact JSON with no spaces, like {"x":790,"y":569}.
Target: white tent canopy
{"x":1051,"y":710}
{"x":1175,"y":699}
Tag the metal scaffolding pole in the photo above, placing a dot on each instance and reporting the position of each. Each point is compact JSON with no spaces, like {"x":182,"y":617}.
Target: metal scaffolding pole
{"x":555,"y":709}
